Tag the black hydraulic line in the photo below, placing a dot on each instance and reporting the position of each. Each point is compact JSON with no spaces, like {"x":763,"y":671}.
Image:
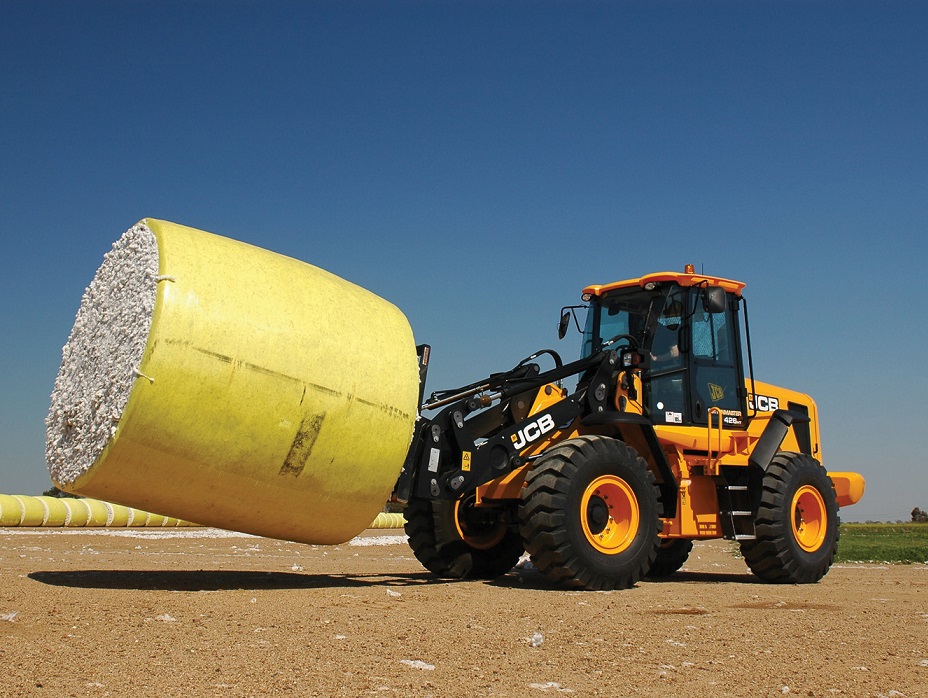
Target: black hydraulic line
{"x":517,"y":386}
{"x":514,"y":382}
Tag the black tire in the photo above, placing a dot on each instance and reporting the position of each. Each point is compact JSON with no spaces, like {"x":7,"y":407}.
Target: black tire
{"x":671,"y":556}
{"x":589,"y":514}
{"x":796,"y":523}
{"x":488,"y":548}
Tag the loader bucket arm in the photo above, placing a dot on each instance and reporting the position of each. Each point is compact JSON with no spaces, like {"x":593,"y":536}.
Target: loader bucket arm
{"x":448,"y":456}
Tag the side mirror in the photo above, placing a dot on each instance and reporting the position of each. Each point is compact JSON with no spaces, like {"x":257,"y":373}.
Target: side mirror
{"x":714,"y":299}
{"x":563,"y":324}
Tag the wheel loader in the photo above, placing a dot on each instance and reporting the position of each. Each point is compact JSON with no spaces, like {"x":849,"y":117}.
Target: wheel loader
{"x":607,"y":468}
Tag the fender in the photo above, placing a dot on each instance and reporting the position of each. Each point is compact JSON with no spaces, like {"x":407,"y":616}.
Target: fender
{"x":769,"y":442}
{"x":629,"y":422}
{"x":849,"y":487}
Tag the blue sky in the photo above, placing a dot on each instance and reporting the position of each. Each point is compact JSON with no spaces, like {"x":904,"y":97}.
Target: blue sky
{"x":478,"y":163}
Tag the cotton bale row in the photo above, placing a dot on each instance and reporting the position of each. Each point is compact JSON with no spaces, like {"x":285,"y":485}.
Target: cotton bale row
{"x":25,"y":511}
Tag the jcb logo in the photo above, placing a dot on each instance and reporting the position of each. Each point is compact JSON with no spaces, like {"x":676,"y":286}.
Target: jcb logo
{"x":764,"y":403}
{"x":532,"y":432}
{"x":716,"y":392}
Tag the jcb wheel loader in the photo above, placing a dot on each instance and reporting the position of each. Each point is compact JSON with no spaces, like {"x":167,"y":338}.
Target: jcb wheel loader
{"x":665,"y":439}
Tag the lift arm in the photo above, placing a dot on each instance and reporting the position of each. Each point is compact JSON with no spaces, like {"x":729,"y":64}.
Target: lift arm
{"x":449,"y":455}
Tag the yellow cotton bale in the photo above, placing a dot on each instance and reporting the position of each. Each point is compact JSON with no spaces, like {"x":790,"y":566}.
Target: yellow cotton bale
{"x":33,"y":513}
{"x":56,"y":513}
{"x":154,"y":520}
{"x":265,"y":395}
{"x":119,"y":515}
{"x":99,"y":513}
{"x":78,"y":512}
{"x":11,"y":513}
{"x":388,"y":520}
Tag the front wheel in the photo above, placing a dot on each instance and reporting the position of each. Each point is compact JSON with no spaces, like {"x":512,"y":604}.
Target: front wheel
{"x":796,"y":524}
{"x":671,"y":556}
{"x":455,"y":539}
{"x":589,"y":514}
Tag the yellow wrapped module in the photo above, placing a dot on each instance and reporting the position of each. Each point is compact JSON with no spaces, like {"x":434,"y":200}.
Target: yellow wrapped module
{"x":213,"y":381}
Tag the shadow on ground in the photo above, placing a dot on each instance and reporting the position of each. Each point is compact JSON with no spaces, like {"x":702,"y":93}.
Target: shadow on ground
{"x":222,"y":580}
{"x":529,"y":578}
{"x":708,"y":578}
{"x":225,"y":580}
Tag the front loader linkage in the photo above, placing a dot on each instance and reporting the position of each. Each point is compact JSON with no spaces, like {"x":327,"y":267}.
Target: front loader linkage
{"x":451,"y":455}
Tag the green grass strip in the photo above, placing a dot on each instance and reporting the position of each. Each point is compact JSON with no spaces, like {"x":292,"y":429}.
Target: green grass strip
{"x":907,"y":543}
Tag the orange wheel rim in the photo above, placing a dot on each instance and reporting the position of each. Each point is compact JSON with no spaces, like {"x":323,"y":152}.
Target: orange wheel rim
{"x":609,"y":514}
{"x":479,"y":537}
{"x":809,"y":518}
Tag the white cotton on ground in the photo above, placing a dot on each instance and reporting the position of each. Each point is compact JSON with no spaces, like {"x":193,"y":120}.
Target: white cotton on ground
{"x":103,"y":353}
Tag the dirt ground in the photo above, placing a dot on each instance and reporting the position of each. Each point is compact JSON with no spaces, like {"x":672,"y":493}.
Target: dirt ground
{"x":199,"y":612}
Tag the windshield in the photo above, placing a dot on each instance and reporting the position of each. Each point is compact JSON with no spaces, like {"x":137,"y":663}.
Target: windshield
{"x":690,"y":356}
{"x":626,"y":311}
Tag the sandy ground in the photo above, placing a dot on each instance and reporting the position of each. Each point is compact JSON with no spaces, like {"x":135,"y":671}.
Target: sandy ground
{"x":202,"y":613}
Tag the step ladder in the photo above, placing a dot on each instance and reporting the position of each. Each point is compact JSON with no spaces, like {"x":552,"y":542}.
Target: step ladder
{"x":735,"y":515}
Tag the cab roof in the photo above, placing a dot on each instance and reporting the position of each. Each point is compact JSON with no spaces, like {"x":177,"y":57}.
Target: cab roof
{"x":681,"y":278}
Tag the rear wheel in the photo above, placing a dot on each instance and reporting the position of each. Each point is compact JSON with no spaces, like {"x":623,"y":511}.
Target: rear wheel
{"x":796,"y":524}
{"x":671,"y":556}
{"x":589,"y":514}
{"x":455,"y":539}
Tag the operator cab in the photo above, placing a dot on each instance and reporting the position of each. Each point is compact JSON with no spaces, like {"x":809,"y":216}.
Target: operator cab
{"x":684,"y":335}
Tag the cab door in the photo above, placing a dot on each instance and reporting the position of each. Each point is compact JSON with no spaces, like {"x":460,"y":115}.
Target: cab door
{"x":695,"y":361}
{"x":711,"y":352}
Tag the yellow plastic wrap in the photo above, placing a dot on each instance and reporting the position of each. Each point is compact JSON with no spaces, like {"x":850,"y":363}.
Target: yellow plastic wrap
{"x":273,"y":398}
{"x":11,"y":513}
{"x":99,"y":513}
{"x":33,"y":513}
{"x":78,"y":513}
{"x":56,"y":513}
{"x":119,"y":515}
